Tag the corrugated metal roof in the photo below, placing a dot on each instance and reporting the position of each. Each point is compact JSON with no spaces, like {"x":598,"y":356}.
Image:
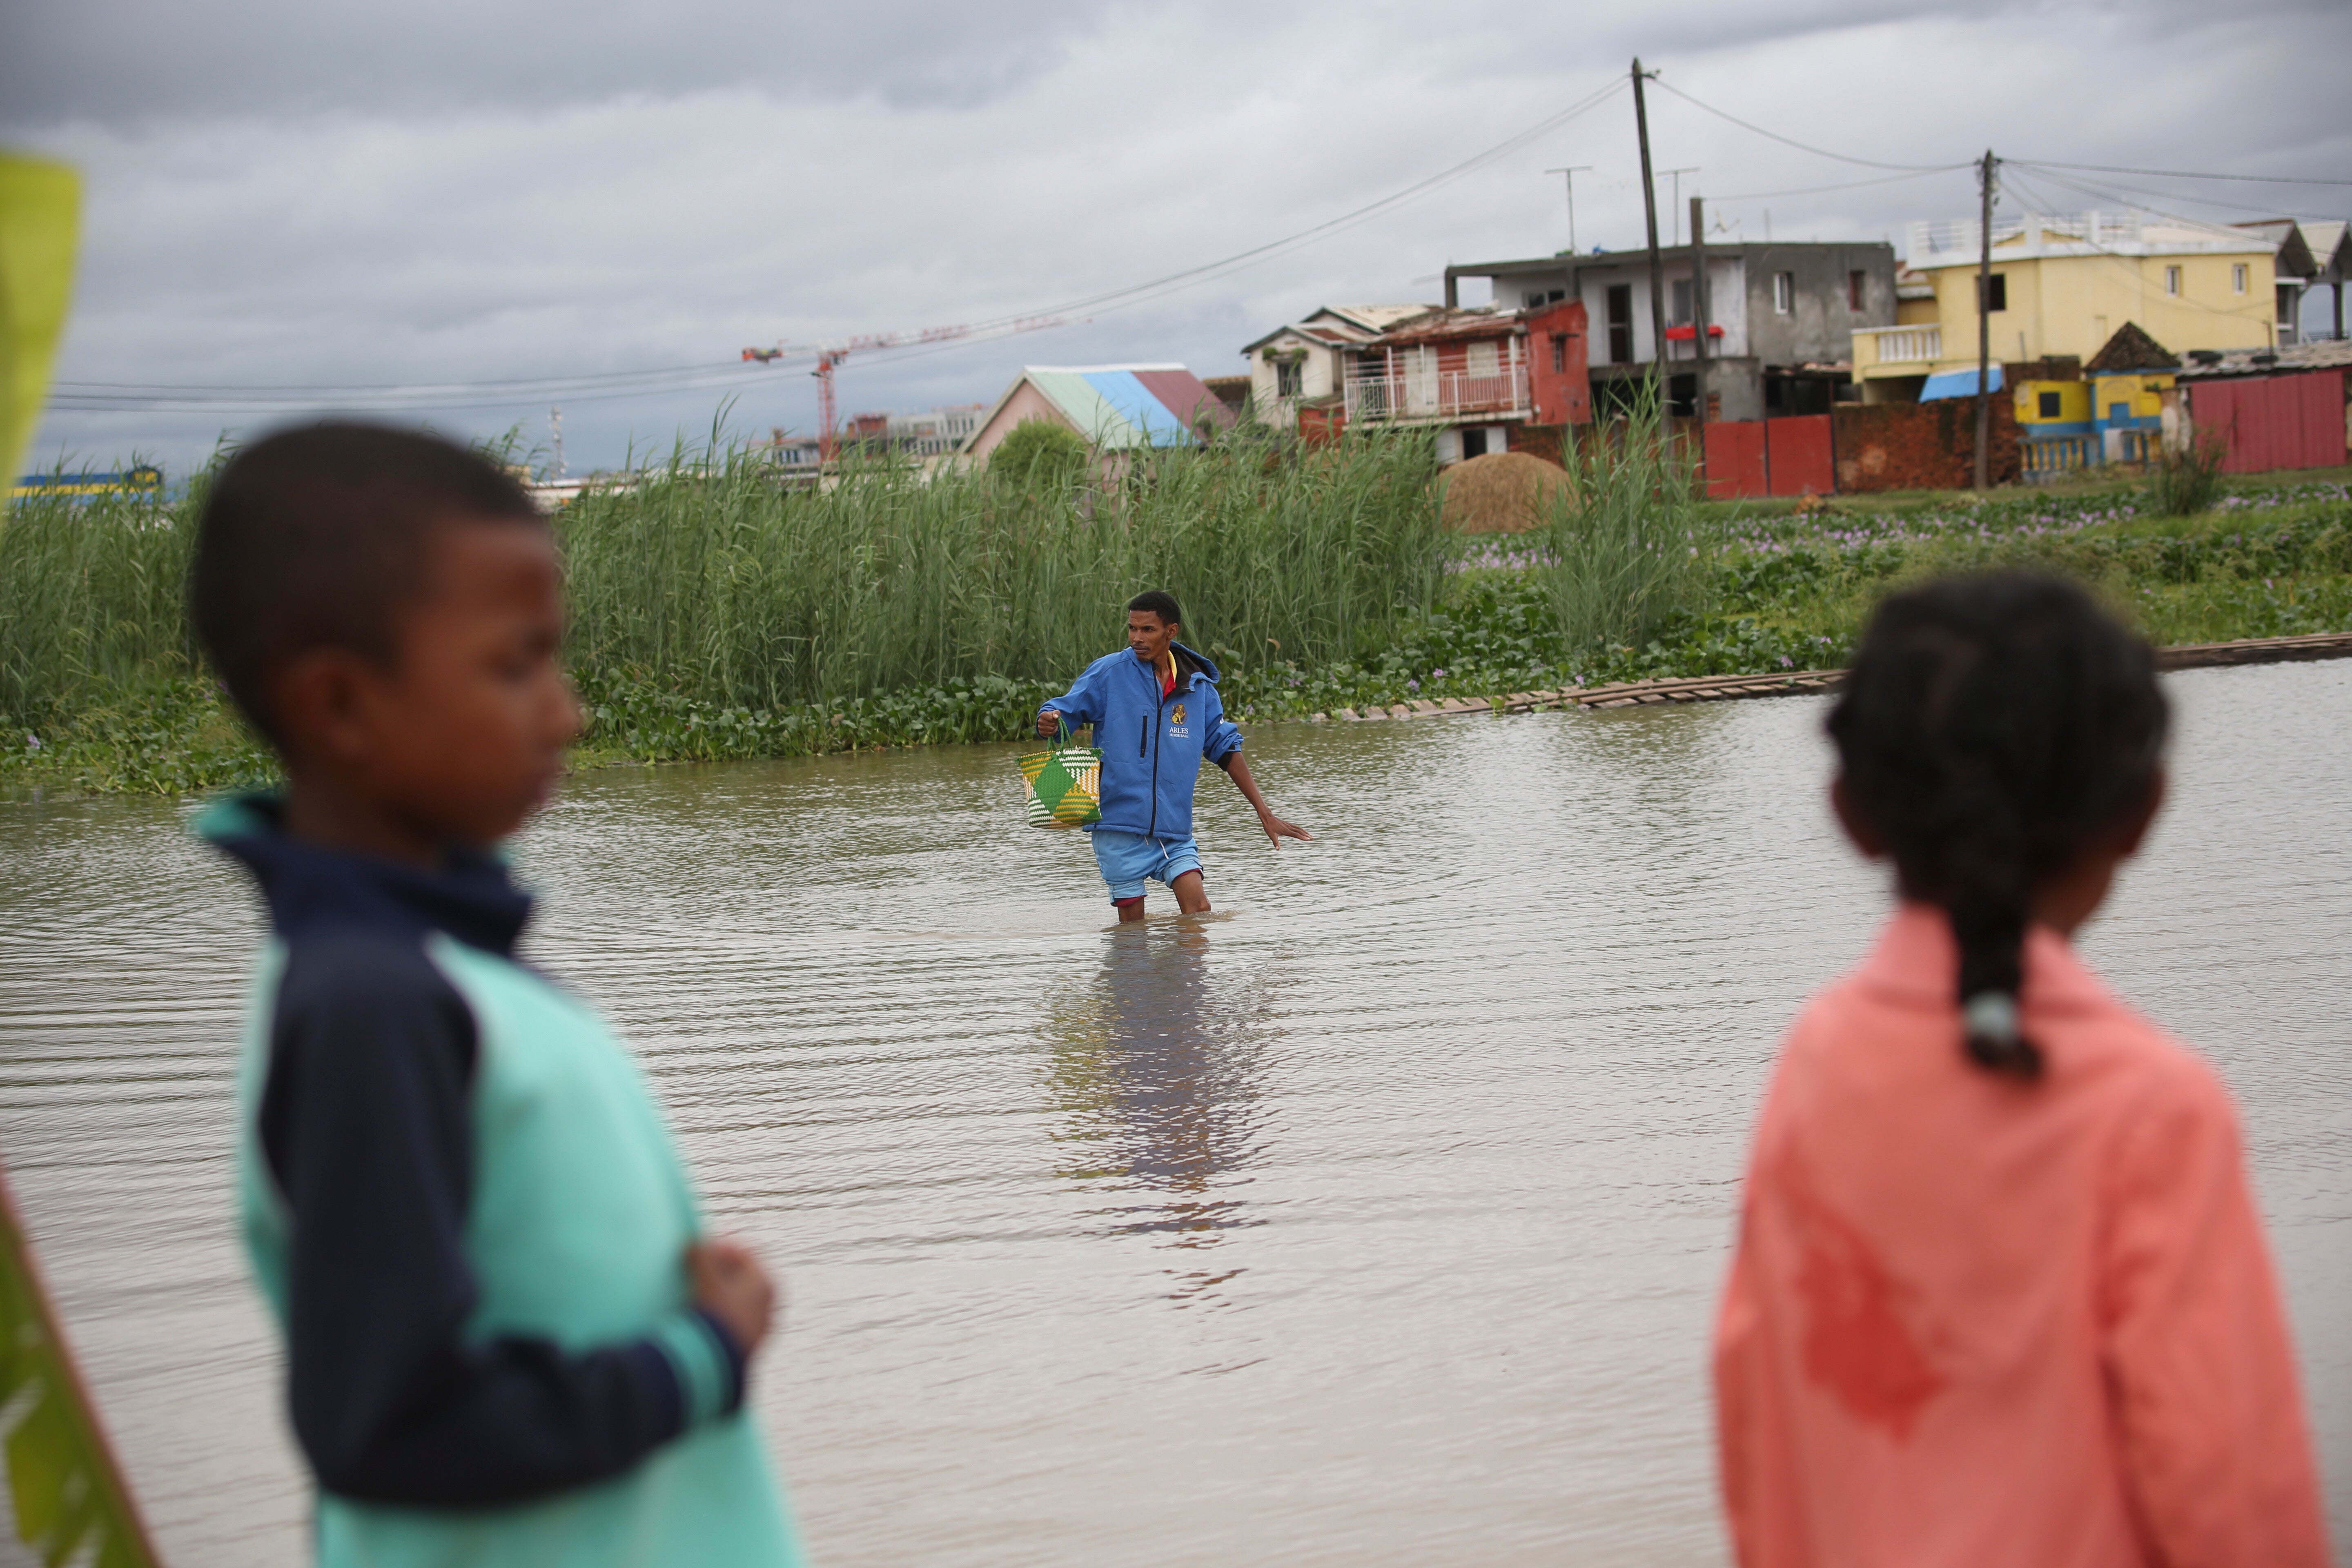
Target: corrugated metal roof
{"x":1189,"y":397}
{"x":1374,"y":318}
{"x":2323,"y":354}
{"x":1432,"y":326}
{"x":1117,"y":406}
{"x":1134,"y":400}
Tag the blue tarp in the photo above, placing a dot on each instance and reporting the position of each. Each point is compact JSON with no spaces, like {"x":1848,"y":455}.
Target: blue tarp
{"x":1958,"y":383}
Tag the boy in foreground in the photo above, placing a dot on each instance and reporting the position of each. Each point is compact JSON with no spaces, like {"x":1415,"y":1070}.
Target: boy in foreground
{"x":1156,"y":715}
{"x":507,"y":1341}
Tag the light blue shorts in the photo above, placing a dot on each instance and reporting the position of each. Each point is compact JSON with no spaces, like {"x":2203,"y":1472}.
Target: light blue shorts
{"x":1127,"y":859}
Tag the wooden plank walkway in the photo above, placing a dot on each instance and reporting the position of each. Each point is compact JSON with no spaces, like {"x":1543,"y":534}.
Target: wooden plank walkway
{"x":1794,"y":683}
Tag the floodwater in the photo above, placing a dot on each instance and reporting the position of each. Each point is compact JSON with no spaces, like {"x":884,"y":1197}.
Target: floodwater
{"x":1375,"y":1220}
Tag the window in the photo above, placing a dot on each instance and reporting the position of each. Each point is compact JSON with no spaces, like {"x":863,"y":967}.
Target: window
{"x":1680,"y":312}
{"x":2238,"y":278}
{"x":1559,"y":354}
{"x":1537,"y":299}
{"x":1620,"y":323}
{"x":1474,"y":444}
{"x":2120,"y":413}
{"x":1784,"y":293}
{"x":1998,"y":293}
{"x":1289,"y":377}
{"x":1485,"y":358}
{"x":2051,"y":404}
{"x":2172,"y":281}
{"x":1857,"y":290}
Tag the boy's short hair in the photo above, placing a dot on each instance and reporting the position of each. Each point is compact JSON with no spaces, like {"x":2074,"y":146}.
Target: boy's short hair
{"x":1158,"y":601}
{"x":318,"y":536}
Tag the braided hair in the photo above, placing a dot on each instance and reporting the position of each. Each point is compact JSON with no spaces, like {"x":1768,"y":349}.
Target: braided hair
{"x":1992,"y":729}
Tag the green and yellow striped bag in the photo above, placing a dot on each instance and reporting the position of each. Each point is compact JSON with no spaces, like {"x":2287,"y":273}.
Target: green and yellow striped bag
{"x":1065,"y":784}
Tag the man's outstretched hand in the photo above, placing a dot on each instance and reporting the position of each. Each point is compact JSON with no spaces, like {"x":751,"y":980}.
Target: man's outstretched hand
{"x":1276,"y":830}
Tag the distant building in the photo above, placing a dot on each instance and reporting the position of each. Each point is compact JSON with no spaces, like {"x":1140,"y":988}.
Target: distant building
{"x":1233,"y":390}
{"x":2062,"y":285}
{"x":1781,"y":319}
{"x":1114,"y":406}
{"x":1305,"y":362}
{"x":934,"y":433}
{"x":1473,"y":375}
{"x":2112,"y":411}
{"x":2308,"y":255}
{"x":2331,"y":250}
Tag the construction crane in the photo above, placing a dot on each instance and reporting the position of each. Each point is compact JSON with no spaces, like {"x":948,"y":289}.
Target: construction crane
{"x":828,"y":357}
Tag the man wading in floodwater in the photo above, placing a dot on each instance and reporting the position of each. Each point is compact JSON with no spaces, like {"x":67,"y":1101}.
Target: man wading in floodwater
{"x":1156,"y":714}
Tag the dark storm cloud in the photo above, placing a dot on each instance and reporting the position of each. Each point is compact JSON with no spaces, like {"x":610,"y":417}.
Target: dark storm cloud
{"x":302,"y":194}
{"x":114,"y":61}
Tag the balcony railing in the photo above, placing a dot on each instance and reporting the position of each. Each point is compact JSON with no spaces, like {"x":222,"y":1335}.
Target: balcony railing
{"x":1436,"y":396}
{"x":1914,"y":345}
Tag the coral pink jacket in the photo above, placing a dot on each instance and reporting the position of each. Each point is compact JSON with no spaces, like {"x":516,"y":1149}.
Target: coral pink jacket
{"x":1975,"y":1321}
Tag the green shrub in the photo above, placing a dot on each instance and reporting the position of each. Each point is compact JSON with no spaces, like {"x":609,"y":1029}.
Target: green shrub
{"x":2187,"y":482}
{"x":1041,"y":454}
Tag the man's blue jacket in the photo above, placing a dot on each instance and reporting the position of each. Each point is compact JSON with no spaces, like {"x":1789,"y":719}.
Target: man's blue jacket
{"x":1151,"y":745}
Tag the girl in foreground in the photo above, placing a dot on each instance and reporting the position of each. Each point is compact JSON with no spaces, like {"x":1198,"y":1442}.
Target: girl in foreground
{"x":2000,"y":1293}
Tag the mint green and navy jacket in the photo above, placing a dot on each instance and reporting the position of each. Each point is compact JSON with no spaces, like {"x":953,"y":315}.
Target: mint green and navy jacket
{"x":469,"y":1221}
{"x":1152,"y":742}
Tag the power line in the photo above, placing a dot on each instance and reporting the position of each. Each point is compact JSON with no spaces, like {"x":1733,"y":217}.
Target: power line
{"x":96,"y":396}
{"x":2050,"y":171}
{"x":1846,"y":185}
{"x":1801,"y":146}
{"x":2178,"y":174}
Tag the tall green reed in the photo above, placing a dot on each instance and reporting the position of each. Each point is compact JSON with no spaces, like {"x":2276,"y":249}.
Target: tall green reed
{"x":709,"y":578}
{"x":1630,"y":547}
{"x":717,"y":582}
{"x":91,"y":599}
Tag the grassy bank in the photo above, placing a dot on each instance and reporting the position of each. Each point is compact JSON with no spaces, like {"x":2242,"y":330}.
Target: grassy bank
{"x":718,"y":616}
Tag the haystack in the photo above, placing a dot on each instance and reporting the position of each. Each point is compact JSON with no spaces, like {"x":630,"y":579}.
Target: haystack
{"x":1501,"y":492}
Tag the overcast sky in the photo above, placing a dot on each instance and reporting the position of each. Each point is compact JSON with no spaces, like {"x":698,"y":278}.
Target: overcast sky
{"x":294,"y":193}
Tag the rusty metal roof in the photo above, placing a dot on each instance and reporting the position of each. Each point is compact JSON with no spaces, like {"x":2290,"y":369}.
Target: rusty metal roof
{"x":2323,"y":353}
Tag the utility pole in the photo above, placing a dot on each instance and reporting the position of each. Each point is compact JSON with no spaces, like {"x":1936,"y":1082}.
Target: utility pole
{"x":555,"y":426}
{"x":1571,"y":174}
{"x":1698,"y":304}
{"x":1674,"y":207}
{"x":1984,"y":320}
{"x":1650,"y":212}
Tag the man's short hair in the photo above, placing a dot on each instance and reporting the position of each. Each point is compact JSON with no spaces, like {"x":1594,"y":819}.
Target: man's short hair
{"x":318,"y":536}
{"x":1158,"y":601}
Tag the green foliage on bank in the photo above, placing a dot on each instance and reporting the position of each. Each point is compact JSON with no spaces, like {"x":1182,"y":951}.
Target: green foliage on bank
{"x":719,"y":615}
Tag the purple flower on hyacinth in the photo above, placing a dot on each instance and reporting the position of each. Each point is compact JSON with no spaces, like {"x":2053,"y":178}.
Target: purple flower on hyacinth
{"x":1788,"y":663}
{"x":1436,"y":675}
{"x":1412,"y":685}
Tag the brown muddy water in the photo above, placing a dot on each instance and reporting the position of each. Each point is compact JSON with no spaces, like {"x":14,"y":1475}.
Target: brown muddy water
{"x":1376,"y":1220}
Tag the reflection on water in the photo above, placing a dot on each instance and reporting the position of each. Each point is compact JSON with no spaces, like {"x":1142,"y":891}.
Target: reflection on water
{"x":1154,"y":1066}
{"x":1377,"y":1220}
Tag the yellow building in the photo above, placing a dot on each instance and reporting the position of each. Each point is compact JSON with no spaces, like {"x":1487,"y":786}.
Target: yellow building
{"x":2061,"y":288}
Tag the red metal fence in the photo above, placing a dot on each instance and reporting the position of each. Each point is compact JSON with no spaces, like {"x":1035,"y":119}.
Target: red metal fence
{"x":2274,"y":421}
{"x":1791,"y":456}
